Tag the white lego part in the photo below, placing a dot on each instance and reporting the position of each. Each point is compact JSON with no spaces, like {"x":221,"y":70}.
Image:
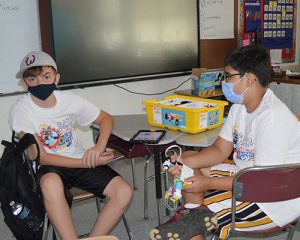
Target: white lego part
{"x":173,"y":146}
{"x":186,"y":172}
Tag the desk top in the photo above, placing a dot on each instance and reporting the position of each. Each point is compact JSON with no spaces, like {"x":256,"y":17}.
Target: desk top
{"x":125,"y":126}
{"x":202,"y":139}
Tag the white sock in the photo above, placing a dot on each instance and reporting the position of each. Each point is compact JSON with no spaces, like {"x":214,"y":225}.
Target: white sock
{"x":191,"y":205}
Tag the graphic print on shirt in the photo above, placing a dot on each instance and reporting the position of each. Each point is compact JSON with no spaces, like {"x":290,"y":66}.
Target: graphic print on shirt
{"x":243,"y":146}
{"x":57,"y":138}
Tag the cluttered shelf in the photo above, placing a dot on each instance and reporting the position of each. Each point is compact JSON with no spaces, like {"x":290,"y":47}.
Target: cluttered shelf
{"x":282,"y":76}
{"x":287,"y":79}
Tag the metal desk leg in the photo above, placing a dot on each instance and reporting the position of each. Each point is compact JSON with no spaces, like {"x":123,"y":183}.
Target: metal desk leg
{"x":157,"y":169}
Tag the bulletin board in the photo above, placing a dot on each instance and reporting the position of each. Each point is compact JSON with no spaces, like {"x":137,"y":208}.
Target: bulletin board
{"x":271,"y":23}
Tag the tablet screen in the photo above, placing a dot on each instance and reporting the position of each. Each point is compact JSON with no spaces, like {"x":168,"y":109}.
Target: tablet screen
{"x":148,"y":136}
{"x":145,"y":136}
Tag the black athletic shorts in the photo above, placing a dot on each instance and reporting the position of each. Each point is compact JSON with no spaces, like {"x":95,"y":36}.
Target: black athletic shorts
{"x":93,"y":180}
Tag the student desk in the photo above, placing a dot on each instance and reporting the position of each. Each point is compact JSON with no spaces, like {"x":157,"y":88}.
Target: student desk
{"x":125,"y":126}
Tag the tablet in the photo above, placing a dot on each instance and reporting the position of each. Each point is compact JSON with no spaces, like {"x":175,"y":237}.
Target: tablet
{"x":147,"y":136}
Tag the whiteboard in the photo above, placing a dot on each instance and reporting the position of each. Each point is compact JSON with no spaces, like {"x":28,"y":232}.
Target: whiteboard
{"x":216,"y":19}
{"x":19,"y":34}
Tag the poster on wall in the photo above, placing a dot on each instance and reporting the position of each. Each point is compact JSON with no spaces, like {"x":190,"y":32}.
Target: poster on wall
{"x":252,"y":16}
{"x":271,"y":23}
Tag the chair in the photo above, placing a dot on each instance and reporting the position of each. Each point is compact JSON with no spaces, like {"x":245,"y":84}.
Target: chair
{"x":298,"y":116}
{"x":276,"y":183}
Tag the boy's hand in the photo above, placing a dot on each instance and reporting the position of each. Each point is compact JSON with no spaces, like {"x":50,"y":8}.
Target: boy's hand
{"x":105,"y":158}
{"x":178,"y":162}
{"x":197,"y":184}
{"x":94,"y":157}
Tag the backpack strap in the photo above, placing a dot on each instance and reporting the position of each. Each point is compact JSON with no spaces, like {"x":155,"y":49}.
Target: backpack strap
{"x":25,"y":142}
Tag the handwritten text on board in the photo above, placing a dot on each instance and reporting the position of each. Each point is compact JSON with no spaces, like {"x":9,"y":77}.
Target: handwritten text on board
{"x":216,"y":19}
{"x":19,"y":27}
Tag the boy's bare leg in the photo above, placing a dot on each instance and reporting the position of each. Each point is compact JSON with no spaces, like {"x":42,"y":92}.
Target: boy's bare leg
{"x":194,"y":217}
{"x":195,"y":199}
{"x":192,"y":197}
{"x":119,"y":194}
{"x":57,"y":207}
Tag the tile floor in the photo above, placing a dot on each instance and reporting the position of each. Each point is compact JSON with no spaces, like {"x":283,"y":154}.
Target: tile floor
{"x":85,"y":212}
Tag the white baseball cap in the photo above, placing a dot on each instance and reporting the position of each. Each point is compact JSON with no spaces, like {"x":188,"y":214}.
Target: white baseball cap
{"x":34,"y":59}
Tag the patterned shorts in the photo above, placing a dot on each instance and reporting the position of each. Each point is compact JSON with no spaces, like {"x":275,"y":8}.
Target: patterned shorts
{"x":249,"y":216}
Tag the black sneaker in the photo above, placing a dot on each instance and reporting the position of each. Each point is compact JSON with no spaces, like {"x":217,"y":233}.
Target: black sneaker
{"x":185,"y":224}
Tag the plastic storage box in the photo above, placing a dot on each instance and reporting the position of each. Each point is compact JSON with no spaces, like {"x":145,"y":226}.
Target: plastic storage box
{"x":184,"y":113}
{"x":204,"y":81}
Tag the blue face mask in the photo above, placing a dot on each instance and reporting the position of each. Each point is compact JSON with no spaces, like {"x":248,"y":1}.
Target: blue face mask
{"x":42,"y":91}
{"x":231,"y":96}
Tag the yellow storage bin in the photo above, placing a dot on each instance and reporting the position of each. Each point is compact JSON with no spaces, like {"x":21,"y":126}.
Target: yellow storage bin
{"x":184,"y":113}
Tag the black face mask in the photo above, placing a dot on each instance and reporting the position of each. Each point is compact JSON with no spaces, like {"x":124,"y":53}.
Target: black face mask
{"x":42,"y":91}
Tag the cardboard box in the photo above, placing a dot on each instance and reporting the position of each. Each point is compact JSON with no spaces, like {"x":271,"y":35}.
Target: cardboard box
{"x":204,"y":81}
{"x":184,"y":113}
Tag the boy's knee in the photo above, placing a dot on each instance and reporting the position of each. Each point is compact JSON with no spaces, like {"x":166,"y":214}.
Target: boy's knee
{"x":125,"y":196}
{"x":123,"y":193}
{"x":51,"y":185}
{"x":129,"y":192}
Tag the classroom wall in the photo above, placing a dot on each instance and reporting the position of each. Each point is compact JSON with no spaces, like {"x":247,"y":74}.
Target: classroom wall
{"x":117,"y":101}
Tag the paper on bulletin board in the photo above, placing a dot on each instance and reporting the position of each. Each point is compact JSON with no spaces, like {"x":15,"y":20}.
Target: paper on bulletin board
{"x":276,"y":56}
{"x":216,"y":19}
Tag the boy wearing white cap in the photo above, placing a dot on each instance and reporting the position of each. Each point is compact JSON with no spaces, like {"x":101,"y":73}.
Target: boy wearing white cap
{"x":51,"y":116}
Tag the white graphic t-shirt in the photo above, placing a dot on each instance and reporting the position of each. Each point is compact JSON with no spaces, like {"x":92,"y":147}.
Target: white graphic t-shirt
{"x":268,"y":136}
{"x":55,"y":126}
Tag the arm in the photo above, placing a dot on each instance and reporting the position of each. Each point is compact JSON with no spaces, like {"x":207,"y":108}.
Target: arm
{"x":32,"y":151}
{"x":49,"y":159}
{"x":106,"y":123}
{"x":62,"y":161}
{"x":210,"y":156}
{"x":54,"y":159}
{"x":206,"y":158}
{"x":97,"y":153}
{"x":202,"y":183}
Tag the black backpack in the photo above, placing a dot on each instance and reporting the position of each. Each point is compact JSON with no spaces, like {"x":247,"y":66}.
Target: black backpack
{"x":17,"y":185}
